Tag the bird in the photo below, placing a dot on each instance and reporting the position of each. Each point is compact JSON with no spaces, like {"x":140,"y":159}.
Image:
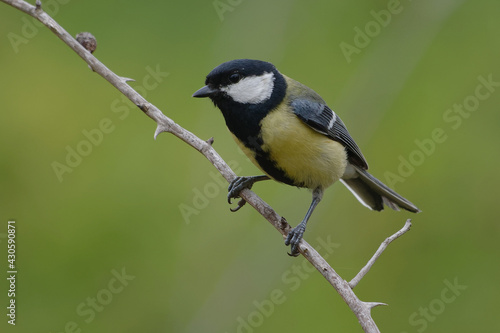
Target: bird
{"x":288,"y":131}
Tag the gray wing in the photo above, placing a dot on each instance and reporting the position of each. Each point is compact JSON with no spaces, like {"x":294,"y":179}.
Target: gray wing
{"x":322,"y":119}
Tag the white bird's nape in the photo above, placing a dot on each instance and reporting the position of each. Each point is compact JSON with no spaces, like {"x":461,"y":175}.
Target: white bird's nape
{"x":251,"y":89}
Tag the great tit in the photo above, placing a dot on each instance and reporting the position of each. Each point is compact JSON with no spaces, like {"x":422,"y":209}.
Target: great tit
{"x":287,"y":130}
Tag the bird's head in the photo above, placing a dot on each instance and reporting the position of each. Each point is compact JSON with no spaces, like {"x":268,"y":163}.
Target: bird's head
{"x":241,"y":81}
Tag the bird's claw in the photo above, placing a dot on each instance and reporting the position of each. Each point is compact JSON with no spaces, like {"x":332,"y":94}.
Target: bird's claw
{"x":241,"y":203}
{"x":293,"y":238}
{"x":237,"y":185}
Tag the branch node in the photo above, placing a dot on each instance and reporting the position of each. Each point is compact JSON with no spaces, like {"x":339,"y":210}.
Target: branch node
{"x":143,"y":107}
{"x":210,"y":141}
{"x":283,"y":223}
{"x":87,"y":40}
{"x":38,"y":5}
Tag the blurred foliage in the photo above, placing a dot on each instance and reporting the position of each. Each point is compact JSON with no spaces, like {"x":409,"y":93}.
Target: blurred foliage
{"x":120,"y":206}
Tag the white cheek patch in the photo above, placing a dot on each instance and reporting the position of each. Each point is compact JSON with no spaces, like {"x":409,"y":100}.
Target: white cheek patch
{"x":252,"y":89}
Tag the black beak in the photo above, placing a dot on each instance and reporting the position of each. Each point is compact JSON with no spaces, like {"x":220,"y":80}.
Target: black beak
{"x":206,"y":91}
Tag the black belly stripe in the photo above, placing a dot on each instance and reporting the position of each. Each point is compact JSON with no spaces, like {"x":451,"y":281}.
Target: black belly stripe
{"x":254,"y":143}
{"x":272,"y":170}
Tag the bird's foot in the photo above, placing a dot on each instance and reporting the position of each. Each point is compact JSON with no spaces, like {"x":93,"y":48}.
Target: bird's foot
{"x":235,"y":187}
{"x":293,"y":238}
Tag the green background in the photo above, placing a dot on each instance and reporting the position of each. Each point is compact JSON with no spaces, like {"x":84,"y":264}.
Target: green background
{"x":215,"y":271}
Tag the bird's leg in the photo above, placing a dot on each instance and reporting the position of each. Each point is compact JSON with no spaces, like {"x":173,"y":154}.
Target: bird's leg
{"x":240,"y":183}
{"x":295,"y":235}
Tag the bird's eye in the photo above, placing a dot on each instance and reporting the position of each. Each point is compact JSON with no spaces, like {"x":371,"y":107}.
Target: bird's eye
{"x":235,"y":77}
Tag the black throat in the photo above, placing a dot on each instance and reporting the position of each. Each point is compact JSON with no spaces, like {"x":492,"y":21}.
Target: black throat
{"x":243,"y":120}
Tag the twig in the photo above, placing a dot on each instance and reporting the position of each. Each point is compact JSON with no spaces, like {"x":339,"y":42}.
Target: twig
{"x":377,"y":254}
{"x":165,"y":124}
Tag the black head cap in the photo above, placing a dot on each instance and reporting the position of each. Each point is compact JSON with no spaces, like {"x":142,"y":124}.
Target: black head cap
{"x":221,"y":75}
{"x":232,"y":72}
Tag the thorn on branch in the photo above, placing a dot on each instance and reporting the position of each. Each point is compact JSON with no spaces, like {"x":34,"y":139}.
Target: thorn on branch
{"x":87,"y":40}
{"x":160,"y":129}
{"x":38,"y":5}
{"x":127,"y":79}
{"x":371,"y":305}
{"x":210,"y":141}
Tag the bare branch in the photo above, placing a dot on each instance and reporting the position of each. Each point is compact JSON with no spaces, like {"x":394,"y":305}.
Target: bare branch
{"x":165,"y":124}
{"x":377,"y":254}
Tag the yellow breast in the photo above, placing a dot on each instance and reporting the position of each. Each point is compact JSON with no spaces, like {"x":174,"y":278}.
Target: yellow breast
{"x":306,"y":156}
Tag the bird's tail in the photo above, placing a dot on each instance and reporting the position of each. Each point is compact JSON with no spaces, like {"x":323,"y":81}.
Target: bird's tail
{"x":373,"y":194}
